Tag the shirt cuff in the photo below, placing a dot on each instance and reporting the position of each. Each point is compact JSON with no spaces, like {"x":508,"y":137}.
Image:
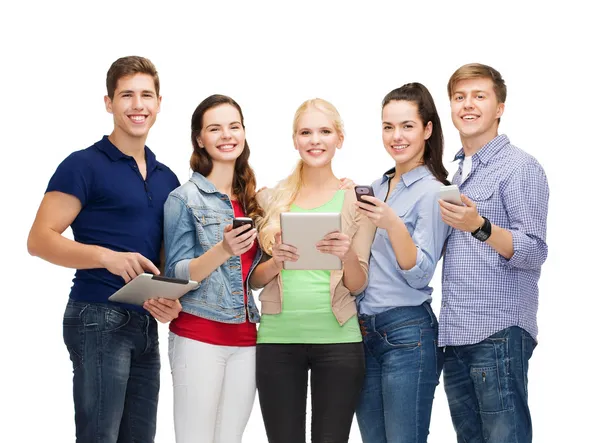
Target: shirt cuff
{"x":182,"y":269}
{"x":418,"y":276}
{"x":521,"y":250}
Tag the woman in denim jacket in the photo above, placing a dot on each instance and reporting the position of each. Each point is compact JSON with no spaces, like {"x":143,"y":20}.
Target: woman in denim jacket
{"x":212,"y":342}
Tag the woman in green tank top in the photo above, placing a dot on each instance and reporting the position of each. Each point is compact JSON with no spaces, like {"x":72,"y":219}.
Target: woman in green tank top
{"x":309,"y":317}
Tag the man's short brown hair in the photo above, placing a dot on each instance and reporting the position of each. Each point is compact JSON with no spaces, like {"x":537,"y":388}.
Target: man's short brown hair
{"x":126,"y":66}
{"x":477,"y":70}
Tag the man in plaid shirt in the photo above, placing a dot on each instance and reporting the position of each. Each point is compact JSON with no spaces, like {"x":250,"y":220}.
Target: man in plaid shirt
{"x":491,"y":267}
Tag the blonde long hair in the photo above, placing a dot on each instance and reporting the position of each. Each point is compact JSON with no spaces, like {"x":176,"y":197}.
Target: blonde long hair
{"x":279,"y":199}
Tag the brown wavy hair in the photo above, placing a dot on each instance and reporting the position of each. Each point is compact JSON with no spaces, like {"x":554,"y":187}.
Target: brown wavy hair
{"x":244,"y":180}
{"x":434,"y":146}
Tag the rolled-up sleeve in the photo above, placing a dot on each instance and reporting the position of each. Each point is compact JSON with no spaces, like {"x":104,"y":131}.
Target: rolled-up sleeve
{"x":180,"y":238}
{"x":429,"y":236}
{"x":525,"y":197}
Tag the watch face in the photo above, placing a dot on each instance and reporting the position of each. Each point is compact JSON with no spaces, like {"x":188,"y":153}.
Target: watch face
{"x":481,"y":235}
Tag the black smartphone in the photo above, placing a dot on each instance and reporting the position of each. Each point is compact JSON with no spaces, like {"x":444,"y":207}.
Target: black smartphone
{"x":364,"y":190}
{"x":241,"y":221}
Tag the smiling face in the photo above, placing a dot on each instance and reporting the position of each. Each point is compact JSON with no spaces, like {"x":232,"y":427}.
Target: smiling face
{"x":316,"y":137}
{"x":404,"y":134}
{"x":222,"y":134}
{"x":134,"y":105}
{"x":475,"y":111}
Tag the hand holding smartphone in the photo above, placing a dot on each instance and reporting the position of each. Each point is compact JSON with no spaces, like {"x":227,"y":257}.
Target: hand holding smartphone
{"x":361,"y":190}
{"x":451,"y":194}
{"x":241,"y":221}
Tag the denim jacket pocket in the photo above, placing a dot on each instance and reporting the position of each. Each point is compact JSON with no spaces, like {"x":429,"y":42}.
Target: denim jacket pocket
{"x":209,"y":225}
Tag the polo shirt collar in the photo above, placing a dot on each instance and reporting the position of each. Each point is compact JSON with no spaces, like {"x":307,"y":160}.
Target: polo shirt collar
{"x":106,"y":146}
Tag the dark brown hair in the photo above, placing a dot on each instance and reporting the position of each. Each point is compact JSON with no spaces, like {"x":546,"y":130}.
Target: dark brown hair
{"x":126,"y":66}
{"x":244,"y":180}
{"x":434,"y":146}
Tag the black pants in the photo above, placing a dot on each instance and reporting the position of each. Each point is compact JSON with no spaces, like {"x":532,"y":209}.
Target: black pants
{"x":337,"y":372}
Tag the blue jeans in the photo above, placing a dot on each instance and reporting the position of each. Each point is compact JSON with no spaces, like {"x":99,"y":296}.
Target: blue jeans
{"x":116,"y":368}
{"x":403,"y":365}
{"x":486,"y":386}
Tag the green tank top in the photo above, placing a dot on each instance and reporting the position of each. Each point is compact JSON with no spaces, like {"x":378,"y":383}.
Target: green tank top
{"x":306,"y":315}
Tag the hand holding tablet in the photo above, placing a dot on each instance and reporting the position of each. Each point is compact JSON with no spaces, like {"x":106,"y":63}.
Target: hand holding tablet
{"x":148,"y":286}
{"x":300,"y":234}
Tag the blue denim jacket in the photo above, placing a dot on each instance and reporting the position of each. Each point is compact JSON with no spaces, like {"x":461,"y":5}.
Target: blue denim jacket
{"x":195,"y":216}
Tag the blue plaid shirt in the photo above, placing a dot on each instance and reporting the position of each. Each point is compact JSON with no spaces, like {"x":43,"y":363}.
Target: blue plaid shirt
{"x":482,"y":292}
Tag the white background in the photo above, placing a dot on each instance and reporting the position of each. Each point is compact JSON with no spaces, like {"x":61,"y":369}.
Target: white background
{"x":270,"y":58}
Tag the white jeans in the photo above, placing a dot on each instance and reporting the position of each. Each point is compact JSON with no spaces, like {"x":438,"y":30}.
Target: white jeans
{"x":213,"y":390}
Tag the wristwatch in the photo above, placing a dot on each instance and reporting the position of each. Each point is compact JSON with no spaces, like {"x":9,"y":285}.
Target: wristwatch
{"x":484,"y":232}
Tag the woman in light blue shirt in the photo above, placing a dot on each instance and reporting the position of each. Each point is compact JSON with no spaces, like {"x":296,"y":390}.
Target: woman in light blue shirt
{"x":399,"y":328}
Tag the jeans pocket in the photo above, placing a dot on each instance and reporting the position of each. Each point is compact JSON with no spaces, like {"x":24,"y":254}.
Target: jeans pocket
{"x":491,"y":380}
{"x":73,"y":335}
{"x":403,"y":337}
{"x":115,"y":319}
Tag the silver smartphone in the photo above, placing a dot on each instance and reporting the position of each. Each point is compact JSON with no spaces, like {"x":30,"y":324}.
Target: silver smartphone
{"x":451,"y":194}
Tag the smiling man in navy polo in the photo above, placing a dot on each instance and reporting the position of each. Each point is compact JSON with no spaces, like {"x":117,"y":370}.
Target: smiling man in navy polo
{"x":112,"y":196}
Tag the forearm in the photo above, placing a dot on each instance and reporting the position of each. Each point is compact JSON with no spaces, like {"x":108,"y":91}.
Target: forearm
{"x":201,"y":267}
{"x":354,"y":275}
{"x":264,"y":273}
{"x":56,"y":249}
{"x":502,"y":242}
{"x":403,"y":245}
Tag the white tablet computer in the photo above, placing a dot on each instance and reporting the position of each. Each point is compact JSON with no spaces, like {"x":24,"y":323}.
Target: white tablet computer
{"x":147,"y":286}
{"x":303,"y":230}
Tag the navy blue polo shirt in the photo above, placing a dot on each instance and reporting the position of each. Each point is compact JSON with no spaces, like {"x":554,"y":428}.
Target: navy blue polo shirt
{"x":120,"y":210}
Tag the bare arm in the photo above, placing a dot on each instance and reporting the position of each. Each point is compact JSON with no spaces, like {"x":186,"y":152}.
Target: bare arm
{"x":264,"y":273}
{"x":56,"y":212}
{"x":402,"y":244}
{"x":269,"y":269}
{"x":384,"y":217}
{"x":354,"y":276}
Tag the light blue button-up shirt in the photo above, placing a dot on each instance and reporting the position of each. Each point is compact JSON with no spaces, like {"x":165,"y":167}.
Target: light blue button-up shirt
{"x":415,"y":200}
